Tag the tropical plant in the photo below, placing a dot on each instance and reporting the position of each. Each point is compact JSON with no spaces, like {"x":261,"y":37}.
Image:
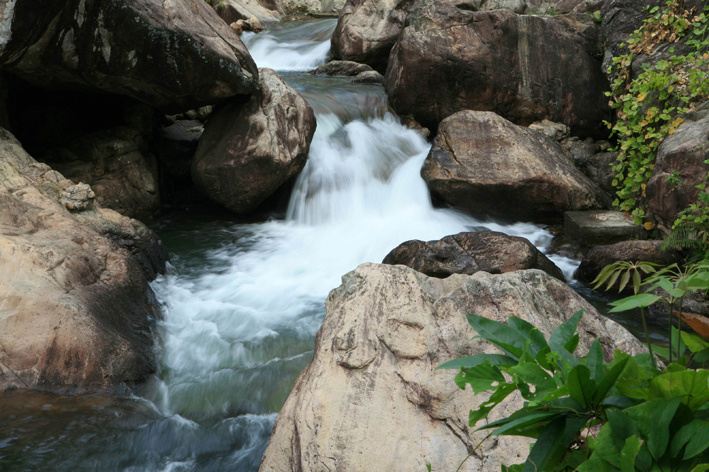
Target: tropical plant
{"x":586,"y":414}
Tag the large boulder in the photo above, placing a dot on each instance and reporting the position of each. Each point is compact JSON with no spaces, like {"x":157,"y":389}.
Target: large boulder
{"x":249,"y":150}
{"x":76,"y":310}
{"x":468,"y":253}
{"x":372,"y":394}
{"x":368,"y":29}
{"x":524,"y":67}
{"x":486,"y":165}
{"x":118,"y":165}
{"x":175,"y":55}
{"x":682,"y":155}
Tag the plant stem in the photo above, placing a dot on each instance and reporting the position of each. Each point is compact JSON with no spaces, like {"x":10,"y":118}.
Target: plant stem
{"x":679,"y":328}
{"x":647,"y":337}
{"x":672,"y":308}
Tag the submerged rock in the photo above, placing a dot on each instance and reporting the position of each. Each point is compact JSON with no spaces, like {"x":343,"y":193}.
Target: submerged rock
{"x":176,"y":55}
{"x":486,"y":165}
{"x":372,"y":394}
{"x":468,"y":253}
{"x":523,"y":67}
{"x":342,"y":68}
{"x":76,"y":311}
{"x":249,"y":150}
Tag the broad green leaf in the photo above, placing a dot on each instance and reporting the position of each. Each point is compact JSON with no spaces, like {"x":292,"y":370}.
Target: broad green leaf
{"x":595,"y":464}
{"x":535,"y":337}
{"x":683,"y":436}
{"x":512,"y":468}
{"x":553,"y":443}
{"x":629,"y":453}
{"x":642,"y":415}
{"x":609,"y":380}
{"x":509,"y":426}
{"x":607,"y":447}
{"x":694,"y":342}
{"x":572,"y":344}
{"x":659,"y":435}
{"x":623,"y":426}
{"x":564,"y":332}
{"x":698,"y":444}
{"x":635,"y":301}
{"x":477,"y":359}
{"x":481,"y":377}
{"x":508,"y":339}
{"x":691,"y":387}
{"x":581,"y":387}
{"x":532,"y":374}
{"x":594,"y":360}
{"x":502,"y":391}
{"x":701,"y":468}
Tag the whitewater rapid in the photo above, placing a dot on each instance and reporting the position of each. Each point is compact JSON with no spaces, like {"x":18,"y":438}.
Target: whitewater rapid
{"x":238,"y":329}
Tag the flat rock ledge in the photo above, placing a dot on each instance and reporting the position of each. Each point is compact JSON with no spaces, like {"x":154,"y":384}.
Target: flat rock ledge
{"x":372,"y":394}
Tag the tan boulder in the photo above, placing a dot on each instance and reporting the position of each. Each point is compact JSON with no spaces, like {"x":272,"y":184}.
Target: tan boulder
{"x":75,"y":305}
{"x":372,"y":399}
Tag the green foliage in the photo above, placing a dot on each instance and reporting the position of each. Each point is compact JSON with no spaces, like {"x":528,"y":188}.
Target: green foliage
{"x":587,"y":414}
{"x":649,"y":106}
{"x":668,"y":285}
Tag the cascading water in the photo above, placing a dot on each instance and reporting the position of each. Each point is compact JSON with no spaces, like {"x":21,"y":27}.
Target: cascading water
{"x":244,"y":301}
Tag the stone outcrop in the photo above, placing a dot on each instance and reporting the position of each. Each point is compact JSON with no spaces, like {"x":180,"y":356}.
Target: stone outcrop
{"x":372,"y":394}
{"x":248,"y":150}
{"x":368,"y":29}
{"x":601,"y":227}
{"x":119,"y":167}
{"x":525,"y":68}
{"x":371,"y":77}
{"x":317,"y":7}
{"x":76,"y":310}
{"x":631,"y":251}
{"x":265,"y":11}
{"x":682,"y":155}
{"x":468,"y":253}
{"x":486,"y":165}
{"x":174,"y":55}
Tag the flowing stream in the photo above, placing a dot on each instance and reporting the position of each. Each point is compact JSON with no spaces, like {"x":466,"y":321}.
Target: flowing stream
{"x":243,"y":301}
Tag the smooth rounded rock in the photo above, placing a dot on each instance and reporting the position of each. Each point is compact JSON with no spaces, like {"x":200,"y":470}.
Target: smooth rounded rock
{"x":468,"y":253}
{"x":248,"y":150}
{"x":486,"y":165}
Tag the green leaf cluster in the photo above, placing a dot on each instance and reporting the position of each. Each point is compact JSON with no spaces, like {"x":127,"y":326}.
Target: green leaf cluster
{"x":587,"y":414}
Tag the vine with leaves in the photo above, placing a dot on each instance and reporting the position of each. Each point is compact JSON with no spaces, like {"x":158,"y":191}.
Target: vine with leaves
{"x":650,"y":106}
